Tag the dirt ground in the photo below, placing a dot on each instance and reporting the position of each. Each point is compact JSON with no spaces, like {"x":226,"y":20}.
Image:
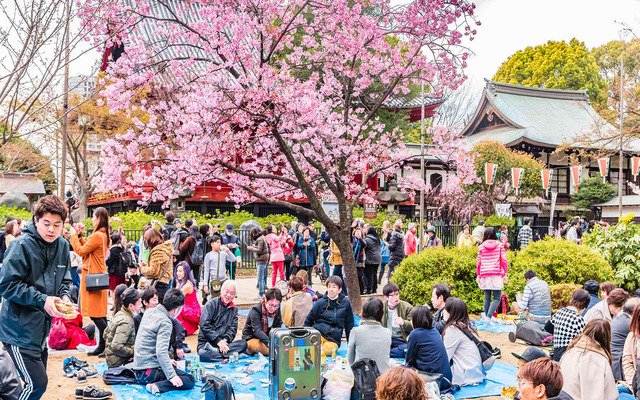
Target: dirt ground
{"x":63,"y":388}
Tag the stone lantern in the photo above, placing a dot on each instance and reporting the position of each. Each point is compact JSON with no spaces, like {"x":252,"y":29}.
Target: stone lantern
{"x":393,"y":196}
{"x":178,"y":205}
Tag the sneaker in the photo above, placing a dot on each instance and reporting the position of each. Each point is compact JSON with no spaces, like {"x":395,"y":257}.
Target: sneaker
{"x":95,"y":393}
{"x":89,"y":373}
{"x":80,"y":393}
{"x":153,"y":388}
{"x":81,"y":376}
{"x":512,"y":337}
{"x":69,"y":370}
{"x":185,"y":348}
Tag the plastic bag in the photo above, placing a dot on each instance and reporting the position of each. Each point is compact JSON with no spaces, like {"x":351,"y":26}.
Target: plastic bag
{"x":339,"y":383}
{"x":258,"y":365}
{"x":58,"y":338}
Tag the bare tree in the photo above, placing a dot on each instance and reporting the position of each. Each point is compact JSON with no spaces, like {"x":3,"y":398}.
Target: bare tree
{"x":458,"y":107}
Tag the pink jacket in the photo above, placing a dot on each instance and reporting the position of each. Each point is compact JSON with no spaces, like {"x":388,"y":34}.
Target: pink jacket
{"x":492,"y":259}
{"x":410,"y":243}
{"x":275,"y":245}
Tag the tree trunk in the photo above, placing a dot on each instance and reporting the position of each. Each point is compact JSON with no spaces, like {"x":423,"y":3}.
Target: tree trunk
{"x":343,"y":241}
{"x":83,"y":203}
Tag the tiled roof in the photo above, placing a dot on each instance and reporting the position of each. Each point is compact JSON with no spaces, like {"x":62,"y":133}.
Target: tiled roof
{"x":21,"y":183}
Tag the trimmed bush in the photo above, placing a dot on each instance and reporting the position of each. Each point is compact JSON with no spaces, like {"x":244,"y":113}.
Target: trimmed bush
{"x":554,"y":261}
{"x":6,"y":212}
{"x":561,"y":294}
{"x":558,"y":261}
{"x":456,"y":267}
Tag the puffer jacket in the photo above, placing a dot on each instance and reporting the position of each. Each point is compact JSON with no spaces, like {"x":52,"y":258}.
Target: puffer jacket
{"x":120,"y":338}
{"x":492,"y":259}
{"x":261,"y":250}
{"x":396,"y":248}
{"x":158,"y":259}
{"x":331,"y":317}
{"x":372,"y":250}
{"x":217,"y":322}
{"x":32,"y":270}
{"x":335,"y":258}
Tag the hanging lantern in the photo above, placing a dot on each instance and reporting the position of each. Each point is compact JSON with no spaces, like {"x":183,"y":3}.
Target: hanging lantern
{"x":576,"y":176}
{"x":490,"y":173}
{"x":547,"y":175}
{"x":635,"y":166}
{"x":516,"y":178}
{"x":603,"y":166}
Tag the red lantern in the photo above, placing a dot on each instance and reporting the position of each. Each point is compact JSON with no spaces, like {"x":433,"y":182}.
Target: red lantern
{"x":576,"y":176}
{"x":603,"y":166}
{"x":516,"y":178}
{"x":490,"y":172}
{"x":547,"y":175}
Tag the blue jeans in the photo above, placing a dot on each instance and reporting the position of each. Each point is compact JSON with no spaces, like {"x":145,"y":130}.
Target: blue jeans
{"x":75,"y":277}
{"x":263,"y":271}
{"x":398,"y":348}
{"x":491,"y":306}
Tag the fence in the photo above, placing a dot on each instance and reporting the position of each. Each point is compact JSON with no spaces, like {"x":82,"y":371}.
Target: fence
{"x":447,"y":233}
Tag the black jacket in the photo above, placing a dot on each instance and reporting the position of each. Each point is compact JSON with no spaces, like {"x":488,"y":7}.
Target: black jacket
{"x":330,"y":317}
{"x":373,"y":254}
{"x":217,"y":322}
{"x":32,"y":270}
{"x":396,"y":248}
{"x":114,"y":261}
{"x":253,"y":327}
{"x":438,"y":320}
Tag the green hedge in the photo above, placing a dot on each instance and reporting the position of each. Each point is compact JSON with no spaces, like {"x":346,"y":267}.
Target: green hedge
{"x":6,"y":212}
{"x":555,"y":261}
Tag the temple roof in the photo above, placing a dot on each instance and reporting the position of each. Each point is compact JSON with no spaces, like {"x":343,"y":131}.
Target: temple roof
{"x":549,"y":118}
{"x":21,"y":182}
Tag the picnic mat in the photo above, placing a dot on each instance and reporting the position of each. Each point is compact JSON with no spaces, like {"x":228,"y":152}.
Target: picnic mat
{"x":500,"y":375}
{"x":493,"y":327}
{"x":356,"y":319}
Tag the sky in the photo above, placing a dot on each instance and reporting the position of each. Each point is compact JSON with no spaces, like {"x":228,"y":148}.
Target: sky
{"x":512,"y":25}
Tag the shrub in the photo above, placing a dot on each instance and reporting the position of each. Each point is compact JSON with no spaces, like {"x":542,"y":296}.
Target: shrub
{"x":555,"y":261}
{"x":6,"y":212}
{"x":561,"y":294}
{"x":620,"y":246}
{"x":558,"y":261}
{"x":456,"y":267}
{"x":495,"y":220}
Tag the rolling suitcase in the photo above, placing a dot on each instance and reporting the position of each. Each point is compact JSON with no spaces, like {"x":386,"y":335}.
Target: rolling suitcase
{"x":294,"y":364}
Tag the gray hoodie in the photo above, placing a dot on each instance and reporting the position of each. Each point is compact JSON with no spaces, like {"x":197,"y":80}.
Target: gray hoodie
{"x":152,"y":342}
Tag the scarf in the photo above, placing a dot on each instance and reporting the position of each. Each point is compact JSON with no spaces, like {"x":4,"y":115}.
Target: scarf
{"x":265,"y":314}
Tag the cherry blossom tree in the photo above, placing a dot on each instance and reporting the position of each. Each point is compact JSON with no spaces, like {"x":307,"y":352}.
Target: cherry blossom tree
{"x":278,"y":99}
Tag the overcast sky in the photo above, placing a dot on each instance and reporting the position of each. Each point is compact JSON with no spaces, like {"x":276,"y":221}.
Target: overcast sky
{"x":512,"y":25}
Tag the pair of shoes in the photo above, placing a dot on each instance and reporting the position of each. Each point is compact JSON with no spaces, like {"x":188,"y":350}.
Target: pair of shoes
{"x":92,"y":393}
{"x":71,"y":364}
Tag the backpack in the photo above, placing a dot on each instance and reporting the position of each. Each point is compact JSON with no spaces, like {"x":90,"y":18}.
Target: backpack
{"x":486,"y":350}
{"x":175,"y":242}
{"x":503,"y":307}
{"x":125,"y":263}
{"x":216,"y":388}
{"x":365,"y":372}
{"x":197,"y":257}
{"x":384,"y":252}
{"x":58,"y":338}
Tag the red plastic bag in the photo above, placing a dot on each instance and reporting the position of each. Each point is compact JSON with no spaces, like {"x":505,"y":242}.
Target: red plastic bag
{"x":58,"y":338}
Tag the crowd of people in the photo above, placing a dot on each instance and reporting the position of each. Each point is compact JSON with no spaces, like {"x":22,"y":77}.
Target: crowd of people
{"x":154,"y":285}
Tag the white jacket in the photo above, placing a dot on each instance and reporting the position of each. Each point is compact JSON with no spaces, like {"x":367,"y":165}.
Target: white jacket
{"x":587,"y":373}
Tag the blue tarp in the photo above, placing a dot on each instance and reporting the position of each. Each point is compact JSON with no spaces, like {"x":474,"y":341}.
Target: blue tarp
{"x":493,"y":327}
{"x":500,"y":375}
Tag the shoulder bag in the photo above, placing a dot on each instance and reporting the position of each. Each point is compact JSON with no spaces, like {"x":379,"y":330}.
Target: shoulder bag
{"x":155,"y":281}
{"x":486,"y":351}
{"x":95,"y":282}
{"x":215,"y":285}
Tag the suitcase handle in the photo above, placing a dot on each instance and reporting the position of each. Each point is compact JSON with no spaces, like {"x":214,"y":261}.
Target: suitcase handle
{"x":299,"y":333}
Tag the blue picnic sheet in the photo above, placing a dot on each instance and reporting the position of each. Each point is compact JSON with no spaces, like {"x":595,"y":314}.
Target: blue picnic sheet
{"x":493,"y":327}
{"x":500,"y":375}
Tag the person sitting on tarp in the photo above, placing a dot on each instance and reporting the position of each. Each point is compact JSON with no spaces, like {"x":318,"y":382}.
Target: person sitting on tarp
{"x":396,"y":318}
{"x":262,"y":317}
{"x":120,"y":335}
{"x":218,"y":326}
{"x":151,"y":362}
{"x":299,"y":305}
{"x":535,"y":303}
{"x":330,"y":315}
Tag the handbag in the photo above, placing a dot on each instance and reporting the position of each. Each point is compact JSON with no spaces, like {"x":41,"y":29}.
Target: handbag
{"x":216,"y":388}
{"x":215,"y":285}
{"x":154,"y":282}
{"x":486,"y":350}
{"x":365,"y":373}
{"x":95,"y":282}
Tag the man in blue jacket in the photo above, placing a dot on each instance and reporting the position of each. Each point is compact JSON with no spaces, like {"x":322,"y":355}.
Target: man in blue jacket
{"x":36,"y":273}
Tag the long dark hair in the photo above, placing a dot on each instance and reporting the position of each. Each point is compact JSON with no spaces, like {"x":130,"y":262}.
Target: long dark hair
{"x":103,"y":222}
{"x":490,"y":234}
{"x":188,"y":275}
{"x":255,"y":233}
{"x":195,"y":232}
{"x":458,"y":314}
